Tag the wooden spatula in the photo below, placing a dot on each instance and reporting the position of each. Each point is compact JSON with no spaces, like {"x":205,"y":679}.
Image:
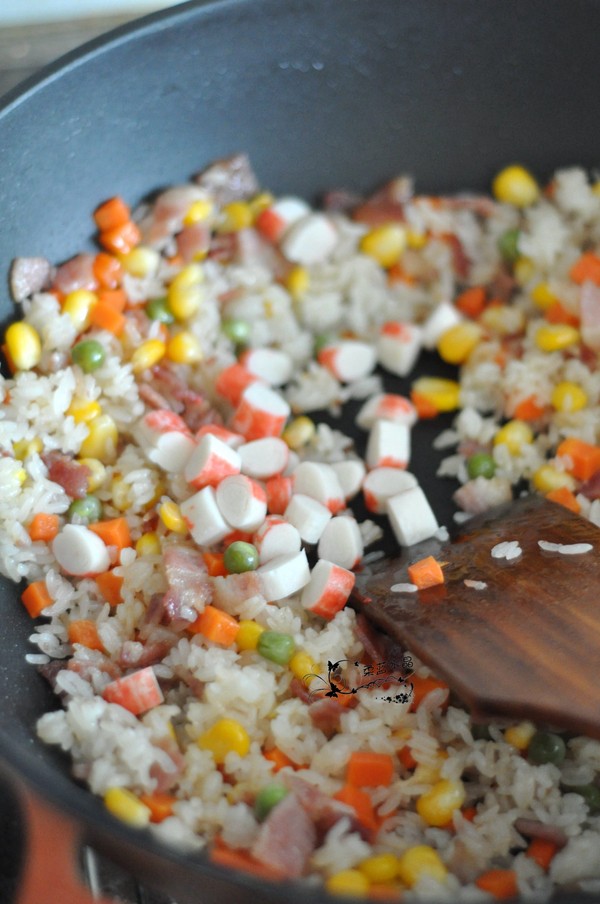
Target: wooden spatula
{"x":525,"y":646}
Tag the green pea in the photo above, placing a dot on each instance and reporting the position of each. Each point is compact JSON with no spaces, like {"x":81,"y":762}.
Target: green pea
{"x":277,"y":647}
{"x":240,"y":556}
{"x":267,"y":798}
{"x":158,"y":309}
{"x":546,"y":747}
{"x":86,"y":510}
{"x":238,"y":331}
{"x":89,"y":355}
{"x":591,"y":795}
{"x":508,"y":244}
{"x":481,"y":464}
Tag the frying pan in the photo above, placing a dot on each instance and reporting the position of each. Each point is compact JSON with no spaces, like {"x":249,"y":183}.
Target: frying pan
{"x":321,"y":94}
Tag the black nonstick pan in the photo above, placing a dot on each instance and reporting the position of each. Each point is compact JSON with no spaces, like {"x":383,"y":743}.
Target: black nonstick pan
{"x":320,"y":94}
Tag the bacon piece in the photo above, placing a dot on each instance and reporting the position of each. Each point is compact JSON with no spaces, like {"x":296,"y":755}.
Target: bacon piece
{"x":69,"y":474}
{"x":591,"y":488}
{"x":387,"y":204}
{"x":325,"y":715}
{"x":533,"y":828}
{"x":29,"y":275}
{"x":76,"y":273}
{"x":590,"y":315}
{"x":229,"y":179}
{"x":193,"y":242}
{"x":482,"y":205}
{"x":231,"y":590}
{"x":322,"y":809}
{"x":300,"y":690}
{"x":152,"y":397}
{"x":138,"y":655}
{"x":479,"y":495}
{"x":340,"y":200}
{"x":165,"y":778}
{"x":165,"y":218}
{"x":175,"y":394}
{"x":190,"y":588}
{"x":287,"y":838}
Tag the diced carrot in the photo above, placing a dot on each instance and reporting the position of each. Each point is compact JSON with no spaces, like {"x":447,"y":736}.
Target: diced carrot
{"x":278,"y":758}
{"x":501,"y":883}
{"x":379,"y":891}
{"x":106,"y":317}
{"x":111,"y":213}
{"x":422,"y":687}
{"x":406,"y":758}
{"x":557,"y":313}
{"x":472,"y":301}
{"x":241,"y":860}
{"x":542,"y":851}
{"x":216,"y":625}
{"x":564,"y":496}
{"x":160,"y":805}
{"x":110,"y":586}
{"x":85,"y":632}
{"x":586,"y":268}
{"x":114,"y":532}
{"x":43,"y":527}
{"x":214,"y":564}
{"x":397,"y":274}
{"x":36,"y":597}
{"x":137,"y":692}
{"x":368,"y":769}
{"x":270,"y":224}
{"x":529,"y":409}
{"x":114,"y":298}
{"x":425,"y":408}
{"x":360,"y":802}
{"x":585,"y":457}
{"x":426,"y":573}
{"x":120,"y":239}
{"x":469,"y":813}
{"x":107,"y":270}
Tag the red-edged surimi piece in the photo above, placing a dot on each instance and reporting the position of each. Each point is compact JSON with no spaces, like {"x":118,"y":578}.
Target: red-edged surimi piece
{"x":226,"y":436}
{"x":350,"y":472}
{"x":203,"y":518}
{"x":381,"y":483}
{"x":166,"y":439}
{"x":388,"y":445}
{"x":210,"y":462}
{"x":443,"y":316}
{"x":386,"y":406}
{"x":137,"y":692}
{"x":276,"y":219}
{"x":411,"y":516}
{"x":279,"y":492}
{"x":348,"y":359}
{"x":261,"y":412}
{"x":276,"y":537}
{"x":242,"y":502}
{"x":328,"y":589}
{"x":284,"y":575}
{"x":79,"y":551}
{"x":232,"y":381}
{"x":272,"y":365}
{"x":308,"y":516}
{"x":319,"y":480}
{"x":264,"y":458}
{"x":310,"y":240}
{"x":341,"y":542}
{"x":398,"y":346}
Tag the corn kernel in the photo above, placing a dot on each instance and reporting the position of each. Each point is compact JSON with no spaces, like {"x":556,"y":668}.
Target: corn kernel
{"x":225,"y":736}
{"x":97,"y":473}
{"x":385,"y":244}
{"x":520,"y":735}
{"x":416,"y":240}
{"x":141,"y":261}
{"x":190,"y":275}
{"x":170,"y":515}
{"x":381,"y":868}
{"x":235,"y":216}
{"x":348,"y":882}
{"x":542,"y":296}
{"x":20,"y":475}
{"x":441,"y":393}
{"x":147,"y":355}
{"x":554,"y":337}
{"x":23,"y":345}
{"x":248,"y":633}
{"x":184,"y":348}
{"x":127,"y":807}
{"x":23,"y":448}
{"x":198,"y":211}
{"x":503,"y":319}
{"x":418,"y":862}
{"x":596,"y":187}
{"x":457,"y":343}
{"x":523,"y":270}
{"x":299,"y":432}
{"x":514,"y":435}
{"x":84,"y":410}
{"x":515,"y":185}
{"x":185,"y":300}
{"x":297,"y":282}
{"x":120,"y":492}
{"x":303,"y":667}
{"x":101,"y":441}
{"x":568,"y":397}
{"x":78,"y":306}
{"x":437,"y":806}
{"x":260,"y":202}
{"x":148,"y":545}
{"x":548,"y":478}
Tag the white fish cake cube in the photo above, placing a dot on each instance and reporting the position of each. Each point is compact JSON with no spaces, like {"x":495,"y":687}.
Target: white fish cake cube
{"x":411,"y":516}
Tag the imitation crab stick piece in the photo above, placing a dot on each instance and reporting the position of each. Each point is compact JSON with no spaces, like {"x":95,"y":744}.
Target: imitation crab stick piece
{"x":43,"y":527}
{"x":264,"y":458}
{"x":348,"y":360}
{"x":105,"y":316}
{"x":242,"y":502}
{"x":441,"y":319}
{"x":501,"y":883}
{"x":584,"y":457}
{"x":279,"y":216}
{"x":276,"y":537}
{"x":80,"y":551}
{"x":411,"y":516}
{"x":284,"y":575}
{"x":216,"y":626}
{"x":564,"y":496}
{"x":272,"y":365}
{"x":309,"y":240}
{"x":85,"y":632}
{"x":425,"y":573}
{"x":388,"y":445}
{"x":350,"y":473}
{"x":203,"y":517}
{"x":341,"y":542}
{"x":382,"y":483}
{"x":235,"y":440}
{"x":36,"y":598}
{"x":367,"y":769}
{"x":232,"y":381}
{"x":112,"y":213}
{"x":211,"y":461}
{"x":114,"y":532}
{"x":166,"y":439}
{"x":308,"y":516}
{"x":160,"y":805}
{"x":261,"y":412}
{"x":279,"y":492}
{"x":386,"y":406}
{"x":319,"y":480}
{"x":328,"y":589}
{"x":398,"y":346}
{"x":110,"y":586}
{"x":137,"y":692}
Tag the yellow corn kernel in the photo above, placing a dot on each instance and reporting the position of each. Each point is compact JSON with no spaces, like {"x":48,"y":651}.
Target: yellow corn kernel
{"x":24,"y":448}
{"x":548,"y":478}
{"x":385,"y":243}
{"x":542,"y":296}
{"x":20,"y":475}
{"x":120,"y":492}
{"x":457,"y":343}
{"x":523,"y":270}
{"x":84,"y":410}
{"x":554,"y":337}
{"x":441,"y":393}
{"x":141,"y":261}
{"x":515,"y":185}
{"x":520,"y":735}
{"x":503,"y":319}
{"x":235,"y":216}
{"x":127,"y":807}
{"x":101,"y":441}
{"x":514,"y":434}
{"x":170,"y":515}
{"x":437,"y":806}
{"x":97,"y":474}
{"x":260,"y":202}
{"x":225,"y":736}
{"x":23,"y":345}
{"x":303,"y":667}
{"x":418,"y":862}
{"x":147,"y":354}
{"x":78,"y":306}
{"x":297,"y":282}
{"x":185,"y":300}
{"x":299,"y":432}
{"x":380,"y":868}
{"x":348,"y":882}
{"x":148,"y":545}
{"x":248,"y":633}
{"x":184,"y":348}
{"x":416,"y":240}
{"x":190,"y":275}
{"x":568,"y":397}
{"x":198,"y":211}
